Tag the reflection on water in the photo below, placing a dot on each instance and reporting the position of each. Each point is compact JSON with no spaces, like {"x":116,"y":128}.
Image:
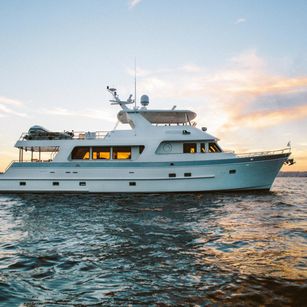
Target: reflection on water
{"x":213,"y":248}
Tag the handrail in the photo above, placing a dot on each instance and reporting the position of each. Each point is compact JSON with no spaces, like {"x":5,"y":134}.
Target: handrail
{"x":263,"y":153}
{"x":83,"y":135}
{"x":13,"y":161}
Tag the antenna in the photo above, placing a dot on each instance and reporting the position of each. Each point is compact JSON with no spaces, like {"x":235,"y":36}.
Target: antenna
{"x":135,"y":82}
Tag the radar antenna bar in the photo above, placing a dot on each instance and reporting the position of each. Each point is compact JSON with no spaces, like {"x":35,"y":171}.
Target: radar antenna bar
{"x":117,"y":100}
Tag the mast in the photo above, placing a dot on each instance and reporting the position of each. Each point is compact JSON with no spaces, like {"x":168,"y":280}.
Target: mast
{"x":135,"y":82}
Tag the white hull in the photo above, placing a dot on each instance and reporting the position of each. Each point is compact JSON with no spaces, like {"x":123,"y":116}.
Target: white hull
{"x":250,"y":174}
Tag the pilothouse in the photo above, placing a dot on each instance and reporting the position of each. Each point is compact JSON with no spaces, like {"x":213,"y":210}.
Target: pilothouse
{"x":163,"y":151}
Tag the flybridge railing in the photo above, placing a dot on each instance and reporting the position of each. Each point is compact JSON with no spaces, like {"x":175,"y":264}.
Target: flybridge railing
{"x":66,"y":135}
{"x":264,"y":153}
{"x":82,"y":135}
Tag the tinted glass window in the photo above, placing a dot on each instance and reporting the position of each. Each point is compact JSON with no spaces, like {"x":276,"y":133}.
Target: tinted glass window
{"x":81,"y":153}
{"x":202,"y":147}
{"x":213,"y":147}
{"x":189,"y":147}
{"x":121,"y":153}
{"x":141,"y":148}
{"x":103,"y":153}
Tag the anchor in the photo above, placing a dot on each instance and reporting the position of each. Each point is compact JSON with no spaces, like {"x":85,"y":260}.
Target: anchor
{"x":289,"y":162}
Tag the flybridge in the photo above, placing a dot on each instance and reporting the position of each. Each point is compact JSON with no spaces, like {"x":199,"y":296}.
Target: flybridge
{"x":153,"y":116}
{"x":161,"y":116}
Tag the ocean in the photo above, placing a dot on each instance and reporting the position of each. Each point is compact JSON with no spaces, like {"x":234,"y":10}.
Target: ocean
{"x":203,"y":249}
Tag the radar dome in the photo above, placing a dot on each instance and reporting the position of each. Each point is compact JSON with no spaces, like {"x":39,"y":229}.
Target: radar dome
{"x":144,"y":100}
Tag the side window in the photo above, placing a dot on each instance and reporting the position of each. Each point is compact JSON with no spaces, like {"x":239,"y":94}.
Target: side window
{"x":103,"y":153}
{"x":141,"y":149}
{"x":213,"y":147}
{"x":189,"y":148}
{"x":121,"y":153}
{"x":202,"y":147}
{"x":80,"y":153}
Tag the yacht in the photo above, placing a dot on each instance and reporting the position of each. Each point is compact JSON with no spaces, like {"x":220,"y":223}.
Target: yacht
{"x":163,"y":151}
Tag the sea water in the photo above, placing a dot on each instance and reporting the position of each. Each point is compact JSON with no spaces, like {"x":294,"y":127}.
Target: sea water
{"x":166,"y":249}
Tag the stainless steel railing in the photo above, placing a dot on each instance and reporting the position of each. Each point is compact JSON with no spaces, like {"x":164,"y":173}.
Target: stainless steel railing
{"x":264,"y":153}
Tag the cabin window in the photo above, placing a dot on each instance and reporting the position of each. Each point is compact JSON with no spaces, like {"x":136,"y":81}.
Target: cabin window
{"x":141,"y":149}
{"x":81,"y":153}
{"x":55,"y":183}
{"x":213,"y":147}
{"x":101,"y":153}
{"x":187,"y":174}
{"x":202,"y":147}
{"x":82,"y":183}
{"x":22,"y":183}
{"x":121,"y":153}
{"x":189,"y":147}
{"x":171,"y":175}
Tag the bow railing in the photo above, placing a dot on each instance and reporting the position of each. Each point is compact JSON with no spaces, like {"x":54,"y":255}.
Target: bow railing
{"x":264,"y":153}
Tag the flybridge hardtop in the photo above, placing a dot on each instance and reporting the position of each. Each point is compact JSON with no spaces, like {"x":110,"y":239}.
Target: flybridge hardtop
{"x":164,"y":151}
{"x":160,"y":116}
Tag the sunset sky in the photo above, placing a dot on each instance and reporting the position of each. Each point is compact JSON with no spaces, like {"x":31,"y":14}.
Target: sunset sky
{"x":241,"y":65}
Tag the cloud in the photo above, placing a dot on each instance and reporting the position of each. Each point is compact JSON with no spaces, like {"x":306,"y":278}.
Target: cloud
{"x":8,"y":105}
{"x":190,"y":68}
{"x":5,"y":100}
{"x":87,"y":113}
{"x":240,"y":20}
{"x":244,"y":87}
{"x":140,"y":72}
{"x":263,"y":119}
{"x":133,"y":3}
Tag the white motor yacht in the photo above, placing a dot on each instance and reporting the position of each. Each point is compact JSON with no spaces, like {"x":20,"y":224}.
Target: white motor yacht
{"x":163,"y":151}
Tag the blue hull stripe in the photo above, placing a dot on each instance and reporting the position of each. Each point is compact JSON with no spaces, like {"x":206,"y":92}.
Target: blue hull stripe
{"x":74,"y":164}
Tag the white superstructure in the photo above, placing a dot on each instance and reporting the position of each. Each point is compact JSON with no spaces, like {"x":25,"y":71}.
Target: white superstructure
{"x":162,"y":152}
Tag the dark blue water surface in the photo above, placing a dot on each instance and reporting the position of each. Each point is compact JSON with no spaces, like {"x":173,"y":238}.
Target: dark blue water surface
{"x":172,"y":249}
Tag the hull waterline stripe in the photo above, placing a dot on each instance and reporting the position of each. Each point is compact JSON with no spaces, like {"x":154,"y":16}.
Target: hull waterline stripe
{"x":110,"y":179}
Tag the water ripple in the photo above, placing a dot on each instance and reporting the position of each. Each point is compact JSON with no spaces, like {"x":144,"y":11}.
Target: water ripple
{"x":186,"y":249}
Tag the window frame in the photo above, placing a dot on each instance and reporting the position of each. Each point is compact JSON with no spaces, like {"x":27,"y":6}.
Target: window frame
{"x":96,"y":151}
{"x":217,"y":146}
{"x":115,"y":152}
{"x":203,"y":146}
{"x":89,"y":151}
{"x":191,"y":144}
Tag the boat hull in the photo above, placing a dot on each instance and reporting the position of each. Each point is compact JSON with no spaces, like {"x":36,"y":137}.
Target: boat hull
{"x":250,"y":173}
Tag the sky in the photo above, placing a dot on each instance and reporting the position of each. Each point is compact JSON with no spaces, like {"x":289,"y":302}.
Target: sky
{"x":241,"y":65}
